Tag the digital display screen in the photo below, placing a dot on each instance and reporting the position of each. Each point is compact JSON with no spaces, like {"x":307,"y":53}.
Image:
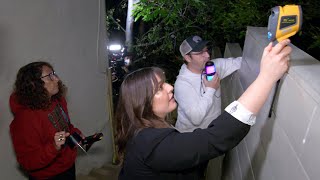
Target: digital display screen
{"x":210,"y":70}
{"x":209,"y":78}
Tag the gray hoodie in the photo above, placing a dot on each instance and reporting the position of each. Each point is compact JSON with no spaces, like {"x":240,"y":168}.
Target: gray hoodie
{"x":198,"y":106}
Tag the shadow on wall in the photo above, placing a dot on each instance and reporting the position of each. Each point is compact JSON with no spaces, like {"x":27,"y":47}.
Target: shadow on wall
{"x":266,"y":133}
{"x":2,"y":51}
{"x":261,"y":134}
{"x":4,"y":54}
{"x":22,"y":171}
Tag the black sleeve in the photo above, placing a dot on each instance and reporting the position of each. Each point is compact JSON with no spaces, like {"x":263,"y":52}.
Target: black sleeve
{"x":180,"y":151}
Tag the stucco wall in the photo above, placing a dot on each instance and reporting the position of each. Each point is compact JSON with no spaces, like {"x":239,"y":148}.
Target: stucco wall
{"x":286,"y":145}
{"x":70,"y":35}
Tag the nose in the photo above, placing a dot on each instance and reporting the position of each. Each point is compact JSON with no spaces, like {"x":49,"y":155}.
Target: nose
{"x":206,"y":54}
{"x":55,"y":77}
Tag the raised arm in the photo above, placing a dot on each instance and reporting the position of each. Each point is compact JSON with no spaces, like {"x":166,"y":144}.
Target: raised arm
{"x":274,"y":63}
{"x":226,"y":66}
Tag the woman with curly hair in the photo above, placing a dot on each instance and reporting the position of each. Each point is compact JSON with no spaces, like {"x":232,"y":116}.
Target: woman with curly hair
{"x":151,"y":149}
{"x":41,"y":124}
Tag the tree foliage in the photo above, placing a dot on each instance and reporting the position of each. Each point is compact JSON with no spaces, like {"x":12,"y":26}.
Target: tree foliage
{"x":220,"y":21}
{"x":169,"y":22}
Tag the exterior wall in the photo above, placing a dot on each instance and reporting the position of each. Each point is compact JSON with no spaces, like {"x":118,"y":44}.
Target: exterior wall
{"x":215,"y":166}
{"x":70,"y":35}
{"x":284,"y":146}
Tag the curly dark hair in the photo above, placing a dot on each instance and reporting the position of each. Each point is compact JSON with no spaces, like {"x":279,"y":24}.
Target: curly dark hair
{"x":29,"y":88}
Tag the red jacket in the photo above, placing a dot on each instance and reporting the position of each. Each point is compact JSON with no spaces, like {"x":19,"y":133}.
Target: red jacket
{"x":32,"y":133}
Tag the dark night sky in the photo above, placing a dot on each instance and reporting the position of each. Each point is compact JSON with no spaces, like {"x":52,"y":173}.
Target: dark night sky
{"x":117,"y":35}
{"x":112,"y":3}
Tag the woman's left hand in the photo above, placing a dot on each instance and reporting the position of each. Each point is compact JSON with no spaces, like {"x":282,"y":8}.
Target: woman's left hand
{"x":60,"y":139}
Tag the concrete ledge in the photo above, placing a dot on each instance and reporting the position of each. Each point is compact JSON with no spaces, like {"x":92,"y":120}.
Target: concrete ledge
{"x":232,"y":50}
{"x":216,"y":52}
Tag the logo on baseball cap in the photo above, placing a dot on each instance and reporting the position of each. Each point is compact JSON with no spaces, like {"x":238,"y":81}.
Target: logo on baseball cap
{"x":192,"y":44}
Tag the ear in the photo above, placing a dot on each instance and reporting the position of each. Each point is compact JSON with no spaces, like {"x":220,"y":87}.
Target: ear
{"x":187,"y":58}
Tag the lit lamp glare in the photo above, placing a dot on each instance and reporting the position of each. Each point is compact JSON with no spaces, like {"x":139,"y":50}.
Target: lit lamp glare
{"x":115,"y":47}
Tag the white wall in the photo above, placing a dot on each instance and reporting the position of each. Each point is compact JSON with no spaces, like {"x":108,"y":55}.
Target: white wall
{"x":70,"y":35}
{"x":283,"y":147}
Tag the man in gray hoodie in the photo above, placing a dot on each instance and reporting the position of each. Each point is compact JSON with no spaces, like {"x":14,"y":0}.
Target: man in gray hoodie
{"x":198,"y":99}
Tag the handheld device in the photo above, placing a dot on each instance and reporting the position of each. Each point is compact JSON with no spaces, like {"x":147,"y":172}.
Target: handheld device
{"x":210,"y":70}
{"x":284,"y":22}
{"x":88,"y":141}
{"x":74,"y":140}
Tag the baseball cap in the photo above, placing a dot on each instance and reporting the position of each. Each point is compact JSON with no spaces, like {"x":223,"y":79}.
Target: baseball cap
{"x":192,"y":44}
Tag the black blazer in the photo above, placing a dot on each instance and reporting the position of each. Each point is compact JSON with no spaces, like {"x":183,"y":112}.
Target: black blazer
{"x":165,"y":153}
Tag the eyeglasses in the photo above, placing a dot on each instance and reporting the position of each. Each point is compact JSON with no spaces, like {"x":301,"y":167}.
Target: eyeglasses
{"x":200,"y":53}
{"x":51,"y":75}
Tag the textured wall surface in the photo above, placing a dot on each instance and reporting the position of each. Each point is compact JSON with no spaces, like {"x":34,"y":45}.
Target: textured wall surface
{"x":285,"y":146}
{"x":70,"y":35}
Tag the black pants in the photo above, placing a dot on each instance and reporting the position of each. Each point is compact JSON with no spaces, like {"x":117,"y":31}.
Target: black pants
{"x":69,"y":174}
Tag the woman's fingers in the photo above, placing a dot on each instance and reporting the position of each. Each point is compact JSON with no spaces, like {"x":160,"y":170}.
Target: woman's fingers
{"x":60,"y":139}
{"x":267,"y":49}
{"x":285,"y":52}
{"x":278,"y":48}
{"x":275,"y":61}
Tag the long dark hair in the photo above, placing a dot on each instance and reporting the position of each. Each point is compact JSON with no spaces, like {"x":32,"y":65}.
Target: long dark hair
{"x":29,"y":88}
{"x":134,"y":111}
